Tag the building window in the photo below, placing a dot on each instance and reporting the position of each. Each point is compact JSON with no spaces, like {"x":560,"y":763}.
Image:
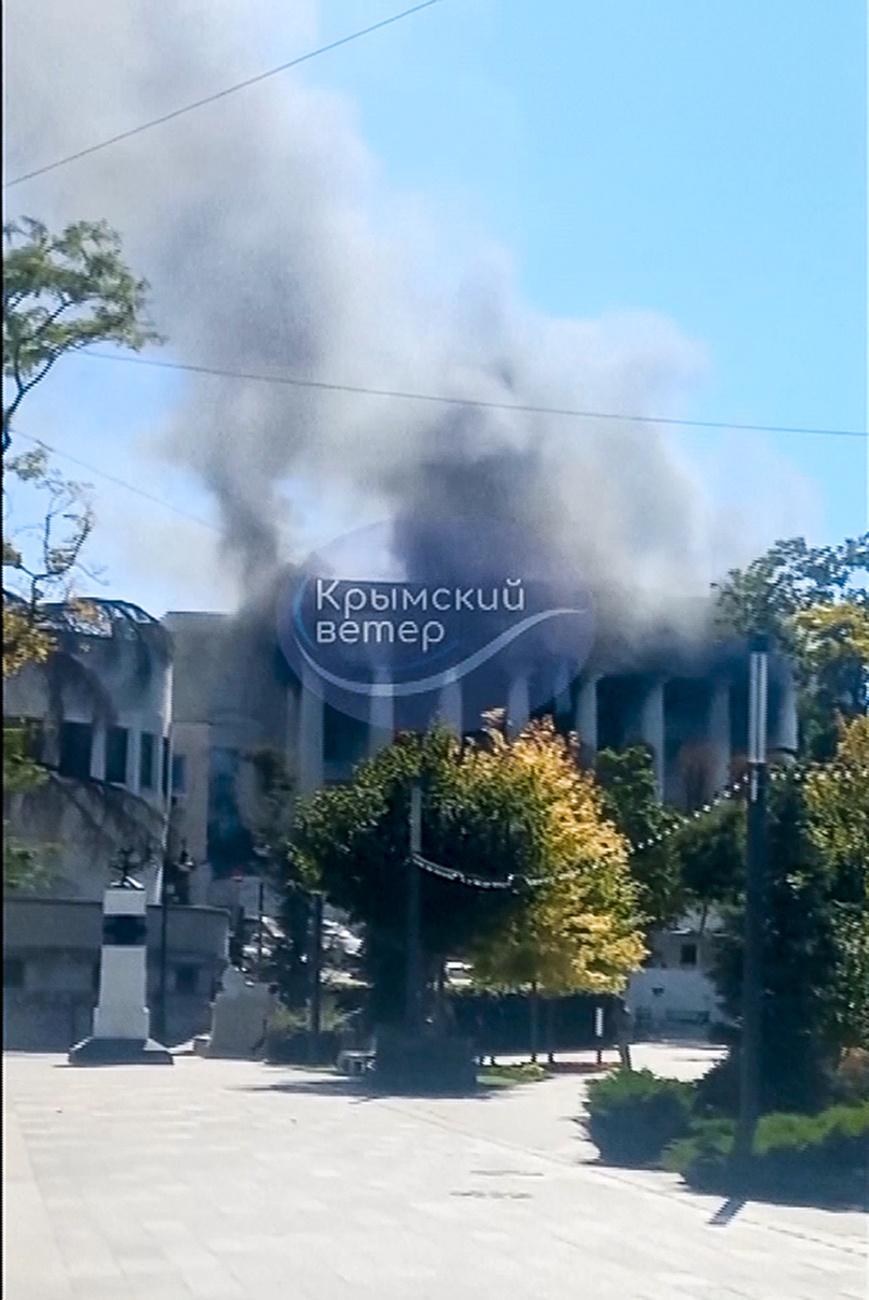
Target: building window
{"x":688,"y":954}
{"x":76,"y":742}
{"x":13,"y":972}
{"x":116,"y":755}
{"x":186,"y":979}
{"x":95,"y":975}
{"x":164,"y":767}
{"x":146,"y":761}
{"x":179,"y":774}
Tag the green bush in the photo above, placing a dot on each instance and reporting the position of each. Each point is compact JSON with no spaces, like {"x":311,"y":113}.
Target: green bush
{"x":633,"y":1115}
{"x":288,"y":1038}
{"x":791,"y":1154}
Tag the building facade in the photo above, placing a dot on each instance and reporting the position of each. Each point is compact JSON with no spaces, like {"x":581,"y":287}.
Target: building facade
{"x":97,"y":717}
{"x":51,"y":970}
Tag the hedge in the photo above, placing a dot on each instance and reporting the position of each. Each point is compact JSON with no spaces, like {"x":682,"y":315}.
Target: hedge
{"x":633,"y":1115}
{"x":826,"y":1154}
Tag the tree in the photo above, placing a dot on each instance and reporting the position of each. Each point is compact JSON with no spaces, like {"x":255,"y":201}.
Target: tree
{"x":811,"y":601}
{"x":50,"y":567}
{"x":493,"y":809}
{"x":711,"y":856}
{"x":272,"y":840}
{"x":62,"y":293}
{"x":815,"y":927}
{"x":23,"y":867}
{"x":630,"y":800}
{"x":838,"y":802}
{"x":579,"y":926}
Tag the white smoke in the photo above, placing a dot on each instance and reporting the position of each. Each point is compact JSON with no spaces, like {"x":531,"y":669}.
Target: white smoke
{"x":273,"y":244}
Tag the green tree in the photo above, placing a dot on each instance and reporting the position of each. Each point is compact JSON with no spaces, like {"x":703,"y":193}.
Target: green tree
{"x":272,"y":837}
{"x":630,"y":800}
{"x":23,"y":866}
{"x":838,"y":802}
{"x":815,"y":931}
{"x":61,"y":293}
{"x":711,"y":856}
{"x":814,"y":603}
{"x":491,"y":810}
{"x":48,"y":568}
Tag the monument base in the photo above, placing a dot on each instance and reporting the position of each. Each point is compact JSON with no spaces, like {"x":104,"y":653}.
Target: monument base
{"x":432,"y":1064}
{"x":119,"y":1051}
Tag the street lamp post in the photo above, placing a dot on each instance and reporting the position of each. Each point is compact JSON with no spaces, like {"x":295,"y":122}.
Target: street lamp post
{"x":755,"y":876}
{"x":412,"y":970}
{"x":316,"y":1003}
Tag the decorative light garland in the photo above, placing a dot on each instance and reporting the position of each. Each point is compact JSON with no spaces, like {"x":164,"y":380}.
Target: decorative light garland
{"x":516,"y":882}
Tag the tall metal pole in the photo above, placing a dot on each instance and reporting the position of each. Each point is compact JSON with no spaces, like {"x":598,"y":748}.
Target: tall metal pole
{"x":259,"y":929}
{"x":412,"y":970}
{"x":316,"y":968}
{"x":755,"y":877}
{"x":164,"y":951}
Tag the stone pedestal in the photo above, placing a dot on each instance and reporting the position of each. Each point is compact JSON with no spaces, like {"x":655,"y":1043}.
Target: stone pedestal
{"x":420,"y":1063}
{"x":121,"y":1019}
{"x":240,"y":1017}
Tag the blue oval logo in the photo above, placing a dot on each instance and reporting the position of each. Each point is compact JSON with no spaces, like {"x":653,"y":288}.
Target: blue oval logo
{"x":400,"y":634}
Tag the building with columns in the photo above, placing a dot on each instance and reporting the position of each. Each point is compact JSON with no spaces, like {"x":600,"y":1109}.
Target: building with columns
{"x":97,"y":717}
{"x":682,"y":693}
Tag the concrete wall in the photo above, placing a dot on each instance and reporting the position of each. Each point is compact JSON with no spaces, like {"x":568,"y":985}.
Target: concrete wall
{"x":671,"y":997}
{"x":51,"y":957}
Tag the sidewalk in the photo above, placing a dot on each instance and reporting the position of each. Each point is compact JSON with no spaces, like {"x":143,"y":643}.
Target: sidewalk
{"x":227,"y":1179}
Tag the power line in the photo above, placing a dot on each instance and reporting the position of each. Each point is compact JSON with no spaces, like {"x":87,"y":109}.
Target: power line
{"x":119,"y":482}
{"x":220,"y":94}
{"x":480,"y":403}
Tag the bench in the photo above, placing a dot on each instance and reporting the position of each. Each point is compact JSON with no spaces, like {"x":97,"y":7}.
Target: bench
{"x":354,"y":1063}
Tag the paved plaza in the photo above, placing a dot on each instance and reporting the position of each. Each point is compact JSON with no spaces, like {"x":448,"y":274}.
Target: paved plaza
{"x":235,"y":1179}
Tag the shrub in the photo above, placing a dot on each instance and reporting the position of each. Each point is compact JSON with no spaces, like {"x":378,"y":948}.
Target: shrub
{"x":632,"y":1115}
{"x":288,"y":1039}
{"x":827,"y":1153}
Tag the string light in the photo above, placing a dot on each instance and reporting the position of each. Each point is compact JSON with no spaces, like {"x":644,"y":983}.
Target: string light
{"x":515,"y":883}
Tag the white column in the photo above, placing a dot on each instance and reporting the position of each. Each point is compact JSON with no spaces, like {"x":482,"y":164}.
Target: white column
{"x":561,"y":691}
{"x":310,"y":743}
{"x":784,"y":731}
{"x":518,"y":706}
{"x":585,"y":718}
{"x":98,"y":751}
{"x":449,"y":708}
{"x":381,"y":719}
{"x":651,"y":726}
{"x":134,"y":746}
{"x":121,"y":1011}
{"x":719,"y":735}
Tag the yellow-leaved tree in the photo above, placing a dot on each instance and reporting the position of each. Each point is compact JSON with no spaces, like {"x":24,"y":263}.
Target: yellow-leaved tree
{"x":579,"y":929}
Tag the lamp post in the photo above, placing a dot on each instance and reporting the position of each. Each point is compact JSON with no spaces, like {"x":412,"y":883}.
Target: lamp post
{"x":185,"y":864}
{"x":316,"y":1002}
{"x":755,"y":877}
{"x":412,"y":970}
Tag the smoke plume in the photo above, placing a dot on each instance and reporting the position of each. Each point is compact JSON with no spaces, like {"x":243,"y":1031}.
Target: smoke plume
{"x":273,"y":244}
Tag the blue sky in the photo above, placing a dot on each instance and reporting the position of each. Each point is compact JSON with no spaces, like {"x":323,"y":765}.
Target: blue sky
{"x":705,"y":159}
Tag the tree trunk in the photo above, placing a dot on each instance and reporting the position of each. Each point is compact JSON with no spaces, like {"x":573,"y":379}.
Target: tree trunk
{"x":534,"y":1013}
{"x":550,"y":1030}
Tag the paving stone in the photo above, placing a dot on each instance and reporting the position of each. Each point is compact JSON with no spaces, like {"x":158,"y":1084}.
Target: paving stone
{"x":233,"y":1179}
